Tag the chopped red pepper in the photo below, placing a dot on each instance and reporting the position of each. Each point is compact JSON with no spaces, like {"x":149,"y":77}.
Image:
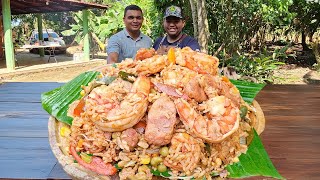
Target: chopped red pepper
{"x":79,"y":108}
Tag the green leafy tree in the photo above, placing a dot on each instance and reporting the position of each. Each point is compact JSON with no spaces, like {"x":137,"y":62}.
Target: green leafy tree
{"x":307,"y":18}
{"x":238,"y":24}
{"x":23,"y":26}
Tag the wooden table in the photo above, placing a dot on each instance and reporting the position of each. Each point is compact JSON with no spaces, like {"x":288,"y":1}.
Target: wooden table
{"x":291,"y":137}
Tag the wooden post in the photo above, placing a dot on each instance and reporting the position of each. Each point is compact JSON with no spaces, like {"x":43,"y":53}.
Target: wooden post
{"x":1,"y":38}
{"x":8,"y":44}
{"x":40,"y":34}
{"x":86,"y":45}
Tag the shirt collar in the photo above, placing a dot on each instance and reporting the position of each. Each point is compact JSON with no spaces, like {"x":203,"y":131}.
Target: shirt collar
{"x":128,"y":35}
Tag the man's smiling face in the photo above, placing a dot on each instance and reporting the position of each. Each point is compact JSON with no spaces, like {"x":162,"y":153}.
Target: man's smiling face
{"x":133,"y":20}
{"x":173,"y":25}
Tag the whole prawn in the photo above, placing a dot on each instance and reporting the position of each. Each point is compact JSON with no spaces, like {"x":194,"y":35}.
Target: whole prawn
{"x":131,"y":109}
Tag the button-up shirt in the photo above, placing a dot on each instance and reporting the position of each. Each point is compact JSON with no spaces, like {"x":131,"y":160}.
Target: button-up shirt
{"x":123,"y":44}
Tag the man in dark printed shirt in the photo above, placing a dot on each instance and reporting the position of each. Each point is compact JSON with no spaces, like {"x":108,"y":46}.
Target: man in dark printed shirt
{"x":173,"y":24}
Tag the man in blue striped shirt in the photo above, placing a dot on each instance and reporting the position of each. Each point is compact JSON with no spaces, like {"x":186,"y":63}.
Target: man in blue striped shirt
{"x":127,"y":42}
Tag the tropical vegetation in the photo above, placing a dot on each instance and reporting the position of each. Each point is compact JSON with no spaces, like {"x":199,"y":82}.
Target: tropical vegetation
{"x":241,"y":33}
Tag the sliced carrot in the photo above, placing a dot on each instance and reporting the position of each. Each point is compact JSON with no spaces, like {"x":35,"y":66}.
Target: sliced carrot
{"x":225,"y":79}
{"x":80,"y":143}
{"x":79,"y":108}
{"x":171,"y":56}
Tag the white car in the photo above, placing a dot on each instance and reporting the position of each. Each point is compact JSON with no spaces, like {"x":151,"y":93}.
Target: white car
{"x":48,"y":35}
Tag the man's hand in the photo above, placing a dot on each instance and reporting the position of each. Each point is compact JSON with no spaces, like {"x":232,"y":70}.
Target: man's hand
{"x":113,"y":58}
{"x":163,"y":49}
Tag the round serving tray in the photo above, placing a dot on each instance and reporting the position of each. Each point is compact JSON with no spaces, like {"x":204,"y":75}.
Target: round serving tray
{"x":258,"y":118}
{"x":75,"y":171}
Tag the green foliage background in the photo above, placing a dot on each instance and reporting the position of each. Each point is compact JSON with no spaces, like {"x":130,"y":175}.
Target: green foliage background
{"x":240,"y":27}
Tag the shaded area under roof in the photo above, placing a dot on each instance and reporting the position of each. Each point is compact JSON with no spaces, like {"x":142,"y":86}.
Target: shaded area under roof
{"x":49,"y":6}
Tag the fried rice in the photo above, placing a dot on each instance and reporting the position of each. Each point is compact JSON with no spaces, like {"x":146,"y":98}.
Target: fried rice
{"x":187,"y":155}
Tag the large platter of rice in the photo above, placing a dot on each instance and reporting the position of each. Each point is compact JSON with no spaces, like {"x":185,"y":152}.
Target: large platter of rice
{"x":171,"y":114}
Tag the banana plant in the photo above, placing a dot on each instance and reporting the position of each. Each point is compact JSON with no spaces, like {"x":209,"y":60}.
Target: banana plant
{"x":77,"y":29}
{"x":103,"y":26}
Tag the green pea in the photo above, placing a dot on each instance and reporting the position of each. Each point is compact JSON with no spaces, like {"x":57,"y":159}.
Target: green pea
{"x":155,"y":161}
{"x":162,"y":168}
{"x":164,"y":151}
{"x":243,"y":111}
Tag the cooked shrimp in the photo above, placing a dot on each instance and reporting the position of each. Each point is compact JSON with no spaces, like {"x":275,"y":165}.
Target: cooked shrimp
{"x":218,"y":115}
{"x":184,"y":152}
{"x":197,"y":61}
{"x":192,"y":64}
{"x":151,"y":65}
{"x":221,"y":118}
{"x":144,"y":53}
{"x":104,"y":98}
{"x":195,"y":91}
{"x":177,"y":76}
{"x":215,"y":85}
{"x":100,"y":98}
{"x":131,"y":109}
{"x":207,"y":63}
{"x":113,"y":69}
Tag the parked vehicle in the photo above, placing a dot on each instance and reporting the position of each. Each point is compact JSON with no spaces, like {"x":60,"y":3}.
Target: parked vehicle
{"x":48,"y":35}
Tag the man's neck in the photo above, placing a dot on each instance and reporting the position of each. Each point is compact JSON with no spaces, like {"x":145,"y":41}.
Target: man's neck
{"x":134,"y":34}
{"x":172,"y":39}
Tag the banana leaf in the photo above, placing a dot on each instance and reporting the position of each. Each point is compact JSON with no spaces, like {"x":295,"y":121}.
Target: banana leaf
{"x":254,"y":163}
{"x":56,"y":102}
{"x":248,"y":90}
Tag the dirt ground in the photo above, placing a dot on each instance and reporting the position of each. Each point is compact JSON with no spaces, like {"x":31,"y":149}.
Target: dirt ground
{"x":293,"y":74}
{"x":58,"y":74}
{"x":33,"y":68}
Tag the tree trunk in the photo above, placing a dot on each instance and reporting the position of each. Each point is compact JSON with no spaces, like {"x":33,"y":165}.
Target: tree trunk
{"x":316,"y":51}
{"x":303,"y":42}
{"x":86,"y":42}
{"x":194,"y":18}
{"x":263,"y":37}
{"x":203,"y":26}
{"x":101,"y":45}
{"x":310,"y":35}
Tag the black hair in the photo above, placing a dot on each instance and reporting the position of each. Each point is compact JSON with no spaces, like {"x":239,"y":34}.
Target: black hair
{"x":132,"y":7}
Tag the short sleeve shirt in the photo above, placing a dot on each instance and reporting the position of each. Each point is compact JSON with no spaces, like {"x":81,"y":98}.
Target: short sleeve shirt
{"x":187,"y":41}
{"x":123,"y":44}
